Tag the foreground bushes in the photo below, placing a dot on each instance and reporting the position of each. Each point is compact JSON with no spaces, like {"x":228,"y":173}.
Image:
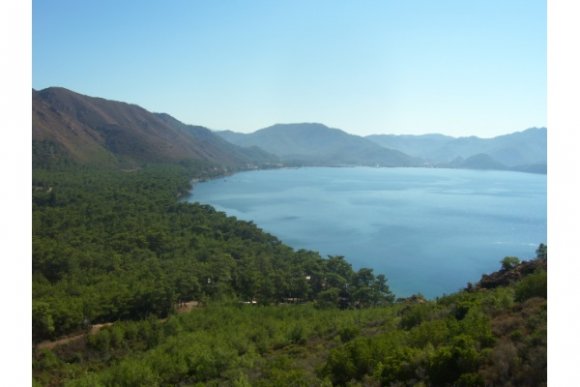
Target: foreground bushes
{"x":484,"y":337}
{"x":218,"y":343}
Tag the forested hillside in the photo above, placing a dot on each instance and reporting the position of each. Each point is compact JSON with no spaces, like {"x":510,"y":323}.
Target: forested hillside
{"x":111,"y":246}
{"x":493,"y":333}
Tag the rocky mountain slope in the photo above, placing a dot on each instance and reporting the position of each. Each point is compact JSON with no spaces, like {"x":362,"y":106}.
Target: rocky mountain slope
{"x":71,"y":126}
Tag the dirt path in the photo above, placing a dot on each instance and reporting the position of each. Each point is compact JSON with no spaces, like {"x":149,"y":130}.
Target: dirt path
{"x":51,"y":344}
{"x":47,"y":344}
{"x":186,"y":306}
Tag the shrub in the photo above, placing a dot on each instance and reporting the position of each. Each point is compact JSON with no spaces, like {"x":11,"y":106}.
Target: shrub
{"x":414,"y":315}
{"x":348,"y":333}
{"x":534,"y":285}
{"x":450,"y":362}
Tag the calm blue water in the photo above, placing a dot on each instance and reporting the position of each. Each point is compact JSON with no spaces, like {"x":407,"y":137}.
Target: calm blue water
{"x":427,"y":230}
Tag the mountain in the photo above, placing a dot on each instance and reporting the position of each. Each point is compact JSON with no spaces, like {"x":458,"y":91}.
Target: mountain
{"x":209,"y":140}
{"x":416,"y":146}
{"x":71,"y":126}
{"x":478,"y":161}
{"x":317,"y":144}
{"x":524,"y":151}
{"x":67,"y":126}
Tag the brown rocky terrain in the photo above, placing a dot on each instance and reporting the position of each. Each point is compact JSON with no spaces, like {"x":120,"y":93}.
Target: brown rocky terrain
{"x":86,"y":129}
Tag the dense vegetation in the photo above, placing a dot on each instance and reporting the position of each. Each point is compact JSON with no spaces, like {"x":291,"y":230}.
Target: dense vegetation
{"x":111,"y":245}
{"x":472,"y":338}
{"x":119,"y":246}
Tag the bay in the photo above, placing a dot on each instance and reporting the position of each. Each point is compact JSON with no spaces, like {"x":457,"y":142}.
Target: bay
{"x":430,"y":231}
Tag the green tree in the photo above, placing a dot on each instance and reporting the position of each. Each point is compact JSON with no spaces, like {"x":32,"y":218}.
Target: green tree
{"x":42,"y":321}
{"x":509,"y":263}
{"x":382,"y":291}
{"x":329,"y":298}
{"x":338,"y":265}
{"x":542,"y":251}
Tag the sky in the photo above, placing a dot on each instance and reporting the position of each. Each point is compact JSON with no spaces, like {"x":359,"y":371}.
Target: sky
{"x":402,"y":67}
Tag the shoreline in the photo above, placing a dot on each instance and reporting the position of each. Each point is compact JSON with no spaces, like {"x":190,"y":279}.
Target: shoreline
{"x":458,"y":173}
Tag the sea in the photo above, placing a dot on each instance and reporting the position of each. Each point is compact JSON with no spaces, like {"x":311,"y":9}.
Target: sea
{"x":428,"y":230}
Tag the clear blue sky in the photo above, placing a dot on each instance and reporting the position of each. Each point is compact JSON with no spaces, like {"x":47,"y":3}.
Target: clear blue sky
{"x":465,"y":67}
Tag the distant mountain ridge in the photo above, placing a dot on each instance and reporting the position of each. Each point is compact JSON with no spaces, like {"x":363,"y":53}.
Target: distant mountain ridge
{"x":70,"y":126}
{"x":87,"y":129}
{"x":317,"y":144}
{"x":523,"y":151}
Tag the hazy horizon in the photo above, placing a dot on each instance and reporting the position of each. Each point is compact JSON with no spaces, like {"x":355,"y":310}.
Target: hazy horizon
{"x":316,"y":123}
{"x":384,"y":133}
{"x":456,"y":68}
